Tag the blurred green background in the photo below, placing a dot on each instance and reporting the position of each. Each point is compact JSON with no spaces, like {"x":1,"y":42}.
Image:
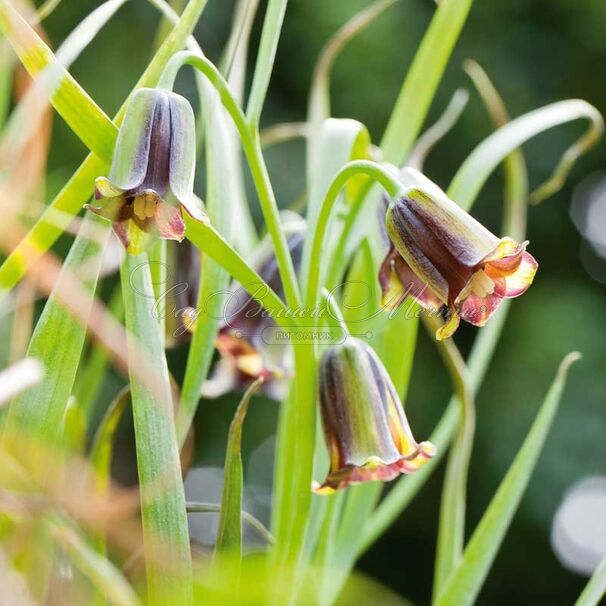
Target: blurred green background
{"x":536,"y":52}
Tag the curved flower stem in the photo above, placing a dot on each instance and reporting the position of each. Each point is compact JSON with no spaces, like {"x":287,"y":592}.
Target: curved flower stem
{"x":375,"y":171}
{"x":250,"y":143}
{"x":451,"y":531}
{"x":335,"y":310}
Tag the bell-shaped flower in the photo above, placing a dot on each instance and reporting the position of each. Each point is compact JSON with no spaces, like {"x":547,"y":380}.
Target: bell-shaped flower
{"x":444,"y":258}
{"x":367,"y":433}
{"x":245,"y":353}
{"x":152,"y":172}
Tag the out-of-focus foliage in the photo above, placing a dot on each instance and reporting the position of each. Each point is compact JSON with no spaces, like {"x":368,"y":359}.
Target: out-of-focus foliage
{"x":536,"y":51}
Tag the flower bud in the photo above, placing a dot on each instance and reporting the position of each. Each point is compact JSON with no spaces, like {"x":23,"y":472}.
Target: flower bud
{"x":154,"y":159}
{"x":366,"y":430}
{"x":450,"y":259}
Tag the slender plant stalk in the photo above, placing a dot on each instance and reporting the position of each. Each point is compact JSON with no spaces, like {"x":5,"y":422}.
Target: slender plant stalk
{"x":256,"y":163}
{"x":358,"y":167}
{"x":165,"y":534}
{"x":451,"y":529}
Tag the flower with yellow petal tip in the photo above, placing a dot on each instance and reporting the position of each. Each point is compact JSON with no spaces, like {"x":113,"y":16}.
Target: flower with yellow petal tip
{"x":366,"y":430}
{"x":463,"y":266}
{"x":154,"y":158}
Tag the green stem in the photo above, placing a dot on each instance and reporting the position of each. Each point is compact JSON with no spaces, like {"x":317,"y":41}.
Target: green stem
{"x":376,"y":172}
{"x":294,"y":465}
{"x":209,"y":241}
{"x":451,"y":530}
{"x":164,"y":520}
{"x":250,"y":144}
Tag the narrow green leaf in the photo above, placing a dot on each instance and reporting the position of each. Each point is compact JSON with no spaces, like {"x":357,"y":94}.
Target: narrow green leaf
{"x":72,"y":103}
{"x":166,"y":23}
{"x":319,"y":97}
{"x":229,"y":535}
{"x":234,"y":68}
{"x":90,"y":378}
{"x":423,"y":78}
{"x":108,"y":580}
{"x":58,"y":340}
{"x":272,"y":26}
{"x":466,"y":582}
{"x":79,"y":188}
{"x":595,"y":589}
{"x":235,"y":58}
{"x":480,"y":164}
{"x":215,"y":246}
{"x":165,"y":533}
{"x":435,"y":133}
{"x":103,"y":444}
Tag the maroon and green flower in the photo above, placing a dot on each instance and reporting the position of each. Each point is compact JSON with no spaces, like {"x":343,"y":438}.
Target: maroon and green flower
{"x":152,"y":172}
{"x":444,"y":258}
{"x":367,"y":433}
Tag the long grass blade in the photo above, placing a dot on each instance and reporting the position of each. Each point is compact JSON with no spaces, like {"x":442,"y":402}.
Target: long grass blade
{"x":79,"y":188}
{"x":229,"y":535}
{"x":165,"y":533}
{"x":473,"y":173}
{"x":58,"y":341}
{"x":272,"y":26}
{"x":423,"y":78}
{"x":465,"y":583}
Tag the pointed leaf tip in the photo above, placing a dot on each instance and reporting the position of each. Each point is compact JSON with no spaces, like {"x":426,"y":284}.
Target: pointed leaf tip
{"x":229,"y":535}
